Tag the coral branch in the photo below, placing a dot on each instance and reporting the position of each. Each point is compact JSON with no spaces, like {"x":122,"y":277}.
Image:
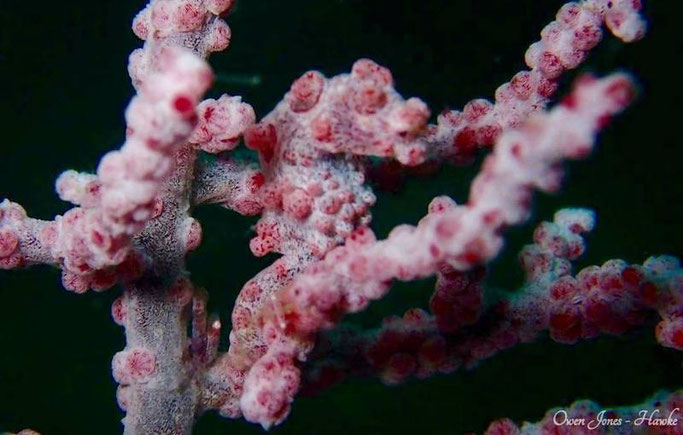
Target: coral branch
{"x":132,"y":224}
{"x":160,"y":373}
{"x":88,"y":242}
{"x":464,"y":236}
{"x":564,"y":45}
{"x":610,"y":299}
{"x":23,"y":241}
{"x":228,"y":182}
{"x":193,"y":24}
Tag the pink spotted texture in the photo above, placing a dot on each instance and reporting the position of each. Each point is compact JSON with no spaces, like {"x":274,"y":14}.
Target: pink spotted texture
{"x":307,"y":184}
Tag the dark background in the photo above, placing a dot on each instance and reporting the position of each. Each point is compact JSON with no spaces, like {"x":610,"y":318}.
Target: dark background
{"x":63,"y":88}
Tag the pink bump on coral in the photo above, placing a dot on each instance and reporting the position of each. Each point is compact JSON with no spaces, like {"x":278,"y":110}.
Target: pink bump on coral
{"x":305,"y":91}
{"x":297,"y":203}
{"x":193,"y":234}
{"x":503,"y":426}
{"x":136,"y":365}
{"x":218,"y":7}
{"x":9,"y":243}
{"x":78,"y":188}
{"x":270,"y":387}
{"x":222,"y":123}
{"x":118,"y":311}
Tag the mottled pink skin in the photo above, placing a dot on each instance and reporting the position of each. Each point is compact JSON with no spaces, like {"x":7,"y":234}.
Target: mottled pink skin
{"x":314,"y":193}
{"x":564,"y":45}
{"x":246,"y":339}
{"x":312,"y":186}
{"x":272,"y":383}
{"x":312,"y":148}
{"x":467,"y":235}
{"x":351,"y":276}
